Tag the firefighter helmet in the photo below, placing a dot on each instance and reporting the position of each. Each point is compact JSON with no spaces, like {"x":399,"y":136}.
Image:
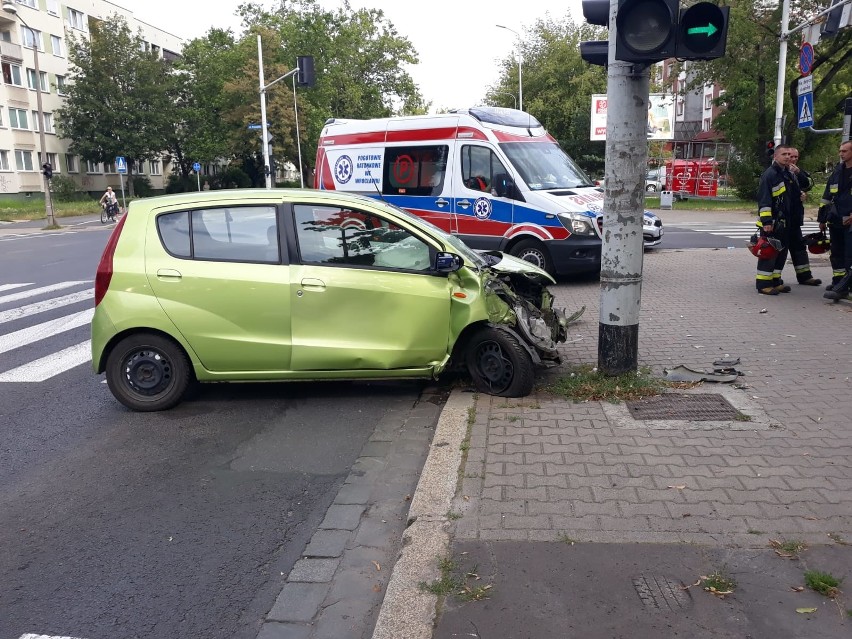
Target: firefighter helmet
{"x":765,"y":248}
{"x":817,"y":242}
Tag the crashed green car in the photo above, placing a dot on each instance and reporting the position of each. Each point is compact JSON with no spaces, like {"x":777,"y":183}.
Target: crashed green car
{"x":263,"y":285}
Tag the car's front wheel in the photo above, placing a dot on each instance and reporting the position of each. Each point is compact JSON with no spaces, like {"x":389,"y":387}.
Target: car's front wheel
{"x":148,"y":372}
{"x":651,"y":188}
{"x":499,"y":365}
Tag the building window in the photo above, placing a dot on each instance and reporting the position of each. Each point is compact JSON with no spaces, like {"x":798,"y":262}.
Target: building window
{"x":35,"y":121}
{"x":12,"y":74}
{"x":155,"y":167}
{"x":53,"y":7}
{"x":60,"y":84}
{"x":109,"y":167}
{"x":76,"y":19}
{"x":31,"y":81}
{"x":28,"y":3}
{"x":708,"y":101}
{"x":18,"y":118}
{"x":56,"y":44}
{"x":680,"y":107}
{"x":93,"y":167}
{"x":71,"y":162}
{"x":53,"y":160}
{"x":48,"y":123}
{"x":4,"y":161}
{"x":23,"y":160}
{"x":705,"y":125}
{"x":31,"y":38}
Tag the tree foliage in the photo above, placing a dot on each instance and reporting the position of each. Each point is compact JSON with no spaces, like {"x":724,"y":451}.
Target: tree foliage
{"x":558,"y":85}
{"x":117,"y":98}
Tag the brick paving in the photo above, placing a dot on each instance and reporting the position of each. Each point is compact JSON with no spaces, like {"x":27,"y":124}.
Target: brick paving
{"x":544,"y":468}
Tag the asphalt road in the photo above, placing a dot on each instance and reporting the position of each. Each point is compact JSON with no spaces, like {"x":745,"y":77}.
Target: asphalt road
{"x":176,"y":524}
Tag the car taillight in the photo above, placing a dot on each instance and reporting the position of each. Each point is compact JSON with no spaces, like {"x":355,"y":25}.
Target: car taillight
{"x":104,"y":272}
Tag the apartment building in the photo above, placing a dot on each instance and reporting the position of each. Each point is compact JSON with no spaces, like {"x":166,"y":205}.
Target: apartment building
{"x":50,"y":23}
{"x":694,"y":112}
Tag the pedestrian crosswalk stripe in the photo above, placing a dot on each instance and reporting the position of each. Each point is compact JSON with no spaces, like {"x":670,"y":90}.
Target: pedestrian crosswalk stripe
{"x":32,"y":636}
{"x":54,"y":364}
{"x":9,"y":287}
{"x":47,"y":305}
{"x":14,"y":297}
{"x":44,"y":330}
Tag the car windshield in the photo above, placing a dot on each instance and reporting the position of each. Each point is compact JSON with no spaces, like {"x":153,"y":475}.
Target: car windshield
{"x":470,"y":256}
{"x":544,"y":165}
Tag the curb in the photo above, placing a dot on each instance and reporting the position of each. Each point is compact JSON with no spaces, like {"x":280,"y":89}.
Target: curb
{"x":407,"y":612}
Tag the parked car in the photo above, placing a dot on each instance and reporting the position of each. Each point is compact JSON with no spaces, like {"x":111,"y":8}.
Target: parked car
{"x":652,"y":225}
{"x":654,"y":181}
{"x":262,"y":285}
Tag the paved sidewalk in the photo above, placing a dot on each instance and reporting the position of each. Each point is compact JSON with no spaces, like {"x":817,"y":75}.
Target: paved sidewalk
{"x":570,"y":510}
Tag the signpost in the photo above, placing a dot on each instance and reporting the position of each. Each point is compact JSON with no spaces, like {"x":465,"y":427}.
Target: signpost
{"x":197,"y":168}
{"x":806,"y":58}
{"x":254,"y":127}
{"x":121,"y":169}
{"x":805,"y":102}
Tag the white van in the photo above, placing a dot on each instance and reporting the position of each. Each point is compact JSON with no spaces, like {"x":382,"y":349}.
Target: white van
{"x":492,"y":176}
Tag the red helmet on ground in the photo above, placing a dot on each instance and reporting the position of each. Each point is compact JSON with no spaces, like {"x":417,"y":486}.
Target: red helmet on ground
{"x":817,"y":242}
{"x":765,"y":248}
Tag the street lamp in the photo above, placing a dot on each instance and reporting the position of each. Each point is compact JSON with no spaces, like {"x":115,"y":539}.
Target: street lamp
{"x":520,"y":67}
{"x":511,"y":95}
{"x":9,"y":7}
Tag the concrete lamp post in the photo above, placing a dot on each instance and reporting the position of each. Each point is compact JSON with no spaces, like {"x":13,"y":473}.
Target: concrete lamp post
{"x":10,"y":8}
{"x":520,"y":66}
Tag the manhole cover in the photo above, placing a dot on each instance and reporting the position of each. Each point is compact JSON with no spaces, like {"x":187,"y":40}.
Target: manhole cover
{"x":698,"y":407}
{"x":661,"y":593}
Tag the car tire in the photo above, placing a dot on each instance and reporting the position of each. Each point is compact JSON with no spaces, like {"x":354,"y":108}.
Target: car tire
{"x":499,"y":365}
{"x":651,"y":188}
{"x":148,"y":372}
{"x":534,"y":252}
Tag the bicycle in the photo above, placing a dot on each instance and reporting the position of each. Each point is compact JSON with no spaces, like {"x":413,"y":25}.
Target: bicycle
{"x":108,"y":212}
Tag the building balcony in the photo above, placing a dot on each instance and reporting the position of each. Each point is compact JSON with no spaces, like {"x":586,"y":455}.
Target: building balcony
{"x":11,"y":51}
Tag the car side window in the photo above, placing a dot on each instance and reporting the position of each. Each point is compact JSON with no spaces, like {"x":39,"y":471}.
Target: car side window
{"x":239,"y":234}
{"x":348,"y":237}
{"x":416,"y":170}
{"x":479,"y":165}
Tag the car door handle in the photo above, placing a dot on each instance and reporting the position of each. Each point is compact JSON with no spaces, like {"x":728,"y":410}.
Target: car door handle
{"x":442,"y":202}
{"x":168,"y":274}
{"x":312,"y":284}
{"x":463,"y":203}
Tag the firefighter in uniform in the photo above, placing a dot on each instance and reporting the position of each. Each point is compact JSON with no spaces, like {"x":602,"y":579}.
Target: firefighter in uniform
{"x":838,"y":191}
{"x":779,"y":200}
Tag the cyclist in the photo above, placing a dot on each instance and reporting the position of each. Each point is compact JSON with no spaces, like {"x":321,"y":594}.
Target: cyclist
{"x":110,"y":202}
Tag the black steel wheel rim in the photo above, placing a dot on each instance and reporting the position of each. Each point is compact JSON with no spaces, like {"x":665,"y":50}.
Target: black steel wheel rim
{"x":533,"y":256}
{"x":148,"y":372}
{"x":494,"y":367}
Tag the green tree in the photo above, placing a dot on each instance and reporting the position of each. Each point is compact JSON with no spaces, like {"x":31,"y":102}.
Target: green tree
{"x":118,"y":101}
{"x":558,"y":85}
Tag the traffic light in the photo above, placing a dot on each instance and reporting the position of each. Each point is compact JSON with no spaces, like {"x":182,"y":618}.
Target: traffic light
{"x":47,"y":170}
{"x":770,"y":148}
{"x":305,"y":77}
{"x":649,"y":31}
{"x":702,"y":32}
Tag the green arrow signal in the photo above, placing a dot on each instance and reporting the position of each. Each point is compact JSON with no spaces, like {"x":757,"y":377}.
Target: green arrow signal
{"x":709,"y":30}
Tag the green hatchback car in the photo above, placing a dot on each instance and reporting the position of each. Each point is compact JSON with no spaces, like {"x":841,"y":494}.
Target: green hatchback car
{"x":271,"y":285}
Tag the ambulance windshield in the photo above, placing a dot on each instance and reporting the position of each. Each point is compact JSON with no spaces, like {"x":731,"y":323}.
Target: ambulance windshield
{"x":544,"y":166}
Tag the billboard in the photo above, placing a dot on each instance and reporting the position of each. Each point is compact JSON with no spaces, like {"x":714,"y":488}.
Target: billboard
{"x":661,"y":113}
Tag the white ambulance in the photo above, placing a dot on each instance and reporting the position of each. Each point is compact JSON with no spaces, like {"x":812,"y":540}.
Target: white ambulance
{"x":492,"y":176}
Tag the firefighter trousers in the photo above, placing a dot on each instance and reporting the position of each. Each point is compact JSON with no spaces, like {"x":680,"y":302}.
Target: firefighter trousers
{"x":769,"y":271}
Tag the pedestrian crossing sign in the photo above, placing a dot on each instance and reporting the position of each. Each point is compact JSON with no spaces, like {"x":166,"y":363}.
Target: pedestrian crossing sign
{"x":805,"y":110}
{"x":120,"y":164}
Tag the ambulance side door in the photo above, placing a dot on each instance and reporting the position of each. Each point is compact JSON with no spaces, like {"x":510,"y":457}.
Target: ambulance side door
{"x":482,"y":216}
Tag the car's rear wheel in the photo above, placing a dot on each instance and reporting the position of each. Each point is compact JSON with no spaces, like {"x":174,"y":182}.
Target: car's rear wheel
{"x":534,"y":252}
{"x":148,"y":372}
{"x":499,"y":365}
{"x":651,"y":188}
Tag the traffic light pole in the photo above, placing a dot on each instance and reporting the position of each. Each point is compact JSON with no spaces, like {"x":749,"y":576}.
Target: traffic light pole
{"x":624,"y":204}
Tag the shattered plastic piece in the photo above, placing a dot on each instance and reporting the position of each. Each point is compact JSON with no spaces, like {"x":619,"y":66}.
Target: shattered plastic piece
{"x":685,"y":374}
{"x":727,"y":361}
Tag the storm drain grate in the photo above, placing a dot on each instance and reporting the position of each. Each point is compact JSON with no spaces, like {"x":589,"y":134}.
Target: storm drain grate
{"x":661,"y":593}
{"x":698,"y":407}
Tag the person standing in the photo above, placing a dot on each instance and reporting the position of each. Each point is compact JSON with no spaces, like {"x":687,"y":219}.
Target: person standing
{"x":838,"y":220}
{"x":780,"y":215}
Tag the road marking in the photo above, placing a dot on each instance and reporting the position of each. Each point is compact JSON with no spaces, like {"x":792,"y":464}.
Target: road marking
{"x":44,"y":330}
{"x":41,"y":369}
{"x":14,"y":297}
{"x":22,"y":236}
{"x":32,"y":636}
{"x":9,"y":287}
{"x":47,"y":305}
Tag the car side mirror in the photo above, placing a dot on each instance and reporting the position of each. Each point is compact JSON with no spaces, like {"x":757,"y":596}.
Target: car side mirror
{"x":447,"y":262}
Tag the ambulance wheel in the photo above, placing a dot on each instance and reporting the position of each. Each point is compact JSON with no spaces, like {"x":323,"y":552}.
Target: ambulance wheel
{"x":534,"y":252}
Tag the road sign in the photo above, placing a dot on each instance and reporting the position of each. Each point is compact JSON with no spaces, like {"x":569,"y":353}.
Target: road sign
{"x":196,"y":167}
{"x":805,"y":85}
{"x":120,"y":164}
{"x":806,"y":58}
{"x":254,"y":127}
{"x":805,"y":109}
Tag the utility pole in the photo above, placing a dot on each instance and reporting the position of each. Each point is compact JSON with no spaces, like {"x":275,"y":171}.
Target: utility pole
{"x":624,"y":201}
